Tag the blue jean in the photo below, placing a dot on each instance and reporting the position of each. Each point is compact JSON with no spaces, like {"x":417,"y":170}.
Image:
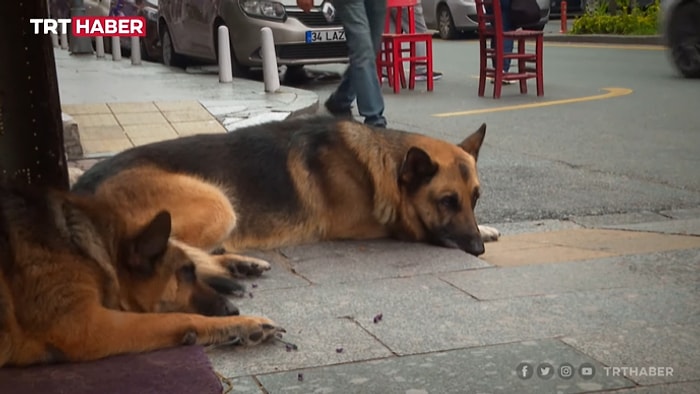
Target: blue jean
{"x":363,"y":21}
{"x":507,"y":26}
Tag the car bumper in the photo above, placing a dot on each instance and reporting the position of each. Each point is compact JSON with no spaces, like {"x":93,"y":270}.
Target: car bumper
{"x":469,"y":22}
{"x":290,"y":40}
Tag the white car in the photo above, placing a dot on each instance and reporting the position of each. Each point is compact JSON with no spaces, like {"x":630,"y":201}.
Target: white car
{"x":680,"y":24}
{"x":450,"y":17}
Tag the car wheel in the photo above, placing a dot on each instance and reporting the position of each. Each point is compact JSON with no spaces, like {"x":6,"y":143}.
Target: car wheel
{"x":684,"y":39}
{"x":169,"y":56}
{"x":446,"y":25}
{"x":145,"y":55}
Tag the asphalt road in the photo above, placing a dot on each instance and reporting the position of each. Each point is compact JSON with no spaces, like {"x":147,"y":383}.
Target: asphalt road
{"x":638,"y":152}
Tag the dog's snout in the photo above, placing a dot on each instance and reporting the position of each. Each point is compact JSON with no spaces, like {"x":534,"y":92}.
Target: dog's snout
{"x":475,"y":247}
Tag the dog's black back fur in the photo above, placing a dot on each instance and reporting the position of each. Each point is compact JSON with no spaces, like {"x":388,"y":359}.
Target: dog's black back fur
{"x":258,"y":158}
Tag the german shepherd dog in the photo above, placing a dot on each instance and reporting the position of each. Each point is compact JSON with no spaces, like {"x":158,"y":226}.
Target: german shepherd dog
{"x":298,"y":181}
{"x":78,"y":282}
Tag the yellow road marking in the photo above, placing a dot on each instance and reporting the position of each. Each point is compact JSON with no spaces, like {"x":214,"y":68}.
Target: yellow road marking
{"x":639,"y":47}
{"x":634,"y":47}
{"x":611,"y":92}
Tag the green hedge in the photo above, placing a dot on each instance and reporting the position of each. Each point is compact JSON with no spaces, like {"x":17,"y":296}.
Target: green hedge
{"x":634,"y":21}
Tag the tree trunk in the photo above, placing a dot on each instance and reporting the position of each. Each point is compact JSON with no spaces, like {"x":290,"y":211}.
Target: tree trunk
{"x":31,"y":130}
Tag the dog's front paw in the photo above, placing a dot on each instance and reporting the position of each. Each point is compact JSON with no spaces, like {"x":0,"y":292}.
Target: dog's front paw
{"x":250,"y":330}
{"x":489,"y":234}
{"x":242,"y":266}
{"x":259,"y":329}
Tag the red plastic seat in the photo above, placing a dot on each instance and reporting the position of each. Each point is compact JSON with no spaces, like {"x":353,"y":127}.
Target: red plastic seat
{"x":392,"y":55}
{"x":529,"y":64}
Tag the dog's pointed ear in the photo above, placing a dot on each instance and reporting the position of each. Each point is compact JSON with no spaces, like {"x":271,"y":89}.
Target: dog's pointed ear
{"x":417,"y":168}
{"x":151,"y":242}
{"x":472,"y":144}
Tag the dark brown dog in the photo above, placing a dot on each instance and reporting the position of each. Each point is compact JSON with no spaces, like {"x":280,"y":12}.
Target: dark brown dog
{"x":299,"y":181}
{"x":80,"y":282}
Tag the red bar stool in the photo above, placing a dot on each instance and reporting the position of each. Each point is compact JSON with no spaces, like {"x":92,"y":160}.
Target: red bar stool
{"x":490,"y":26}
{"x":392,"y":54}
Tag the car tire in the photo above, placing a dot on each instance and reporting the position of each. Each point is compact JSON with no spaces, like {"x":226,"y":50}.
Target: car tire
{"x":684,"y":39}
{"x":145,"y":55}
{"x":445,"y":23}
{"x":168,"y":54}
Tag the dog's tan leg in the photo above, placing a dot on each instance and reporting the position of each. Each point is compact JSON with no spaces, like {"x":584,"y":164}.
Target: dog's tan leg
{"x":105,"y":332}
{"x":489,"y":234}
{"x":202,"y":214}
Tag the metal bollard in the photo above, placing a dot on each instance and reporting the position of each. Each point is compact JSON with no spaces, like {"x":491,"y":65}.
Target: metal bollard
{"x":271,"y":76}
{"x":54,"y":40}
{"x":564,"y":27}
{"x":225,"y":70}
{"x":116,"y":49}
{"x":100,"y":47}
{"x":63,"y":39}
{"x":135,"y":51}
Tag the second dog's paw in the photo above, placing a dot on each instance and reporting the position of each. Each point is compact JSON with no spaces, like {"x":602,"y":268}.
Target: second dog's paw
{"x":489,"y":234}
{"x":243,"y":266}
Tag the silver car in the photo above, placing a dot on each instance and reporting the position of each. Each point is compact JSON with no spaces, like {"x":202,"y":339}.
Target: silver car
{"x":680,"y":24}
{"x":450,"y":17}
{"x":188,"y":29}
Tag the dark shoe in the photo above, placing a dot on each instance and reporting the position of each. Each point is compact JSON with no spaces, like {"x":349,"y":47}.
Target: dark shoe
{"x":504,"y":82}
{"x":378,"y":121}
{"x":423,"y":76}
{"x":337,"y":111}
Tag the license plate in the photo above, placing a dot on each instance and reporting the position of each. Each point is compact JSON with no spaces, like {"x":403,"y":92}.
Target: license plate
{"x":325,"y":36}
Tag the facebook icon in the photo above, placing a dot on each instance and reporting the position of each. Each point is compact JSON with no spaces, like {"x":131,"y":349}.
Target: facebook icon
{"x":524,"y":371}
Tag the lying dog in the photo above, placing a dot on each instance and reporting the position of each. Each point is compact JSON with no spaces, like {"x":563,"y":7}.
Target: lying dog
{"x":298,"y":181}
{"x":79,"y":282}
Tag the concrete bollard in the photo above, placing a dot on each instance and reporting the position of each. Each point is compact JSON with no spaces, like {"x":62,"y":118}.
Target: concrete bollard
{"x":116,"y":49}
{"x":63,"y":39}
{"x":54,"y":40}
{"x":100,"y":47}
{"x":225,"y":70}
{"x":271,"y":76}
{"x":135,"y":51}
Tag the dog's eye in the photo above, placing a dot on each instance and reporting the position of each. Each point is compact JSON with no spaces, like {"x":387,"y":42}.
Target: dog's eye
{"x":186,"y":273}
{"x":450,"y":202}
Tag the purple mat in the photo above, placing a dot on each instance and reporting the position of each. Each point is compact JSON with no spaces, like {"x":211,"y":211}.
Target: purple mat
{"x":181,"y":370}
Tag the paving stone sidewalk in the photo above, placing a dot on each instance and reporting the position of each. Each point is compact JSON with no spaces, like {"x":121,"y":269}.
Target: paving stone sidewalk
{"x":117,"y":105}
{"x":595,"y":293}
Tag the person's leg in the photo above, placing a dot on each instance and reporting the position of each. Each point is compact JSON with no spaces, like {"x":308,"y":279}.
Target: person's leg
{"x":360,"y":79}
{"x":370,"y":101}
{"x":507,"y":26}
{"x":420,"y":27}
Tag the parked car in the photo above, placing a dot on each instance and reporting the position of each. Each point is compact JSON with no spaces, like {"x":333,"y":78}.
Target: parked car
{"x":150,"y":45}
{"x":451,"y":17}
{"x":572,"y":7}
{"x":188,"y":29}
{"x":680,"y":25}
{"x":61,"y":8}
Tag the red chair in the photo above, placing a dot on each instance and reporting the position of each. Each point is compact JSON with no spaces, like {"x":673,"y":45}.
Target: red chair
{"x":392,"y":55}
{"x":490,"y":26}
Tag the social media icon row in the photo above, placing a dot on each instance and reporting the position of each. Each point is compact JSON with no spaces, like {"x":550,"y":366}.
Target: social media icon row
{"x":547,"y":371}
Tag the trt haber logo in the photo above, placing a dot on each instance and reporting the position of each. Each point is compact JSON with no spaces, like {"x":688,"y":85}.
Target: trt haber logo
{"x":93,"y":26}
